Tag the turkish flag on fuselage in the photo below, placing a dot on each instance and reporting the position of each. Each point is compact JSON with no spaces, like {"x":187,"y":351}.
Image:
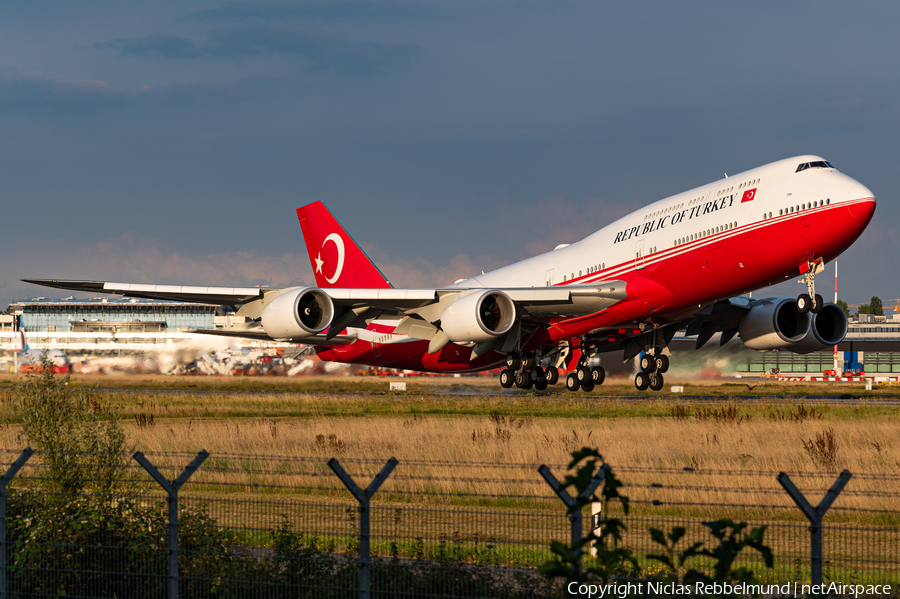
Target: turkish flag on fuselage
{"x":748,"y":195}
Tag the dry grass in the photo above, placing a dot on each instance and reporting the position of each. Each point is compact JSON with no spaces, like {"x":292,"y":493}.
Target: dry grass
{"x":726,"y":455}
{"x":506,"y":436}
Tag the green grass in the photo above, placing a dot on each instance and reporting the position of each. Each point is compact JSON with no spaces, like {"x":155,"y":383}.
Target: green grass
{"x":362,"y":403}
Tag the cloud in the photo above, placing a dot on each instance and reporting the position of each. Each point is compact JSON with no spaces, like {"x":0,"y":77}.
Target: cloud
{"x":133,"y":258}
{"x":421,"y":273}
{"x":153,"y":46}
{"x":551,"y":221}
{"x":36,"y":92}
{"x":326,"y":11}
{"x":326,"y":52}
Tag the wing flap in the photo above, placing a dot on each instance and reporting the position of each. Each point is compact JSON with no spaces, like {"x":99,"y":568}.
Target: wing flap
{"x":262,"y":336}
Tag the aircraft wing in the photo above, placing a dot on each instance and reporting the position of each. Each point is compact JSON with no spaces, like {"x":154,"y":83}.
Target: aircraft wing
{"x":558,"y":301}
{"x":354,"y":307}
{"x":177,"y":293}
{"x":720,"y":317}
{"x":261,"y":335}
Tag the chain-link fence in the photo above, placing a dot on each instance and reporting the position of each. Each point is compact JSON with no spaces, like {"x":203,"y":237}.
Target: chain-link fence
{"x":303,"y":526}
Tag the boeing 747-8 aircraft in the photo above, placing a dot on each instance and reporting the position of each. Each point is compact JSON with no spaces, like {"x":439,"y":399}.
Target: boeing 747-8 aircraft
{"x":680,"y":263}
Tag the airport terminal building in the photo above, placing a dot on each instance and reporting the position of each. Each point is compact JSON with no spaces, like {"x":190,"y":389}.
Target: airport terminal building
{"x":103,"y":325}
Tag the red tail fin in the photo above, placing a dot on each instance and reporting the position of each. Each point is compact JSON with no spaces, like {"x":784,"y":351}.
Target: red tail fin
{"x":336,"y":259}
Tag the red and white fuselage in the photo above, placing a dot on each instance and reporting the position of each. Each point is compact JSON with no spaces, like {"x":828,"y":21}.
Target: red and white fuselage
{"x":677,"y":255}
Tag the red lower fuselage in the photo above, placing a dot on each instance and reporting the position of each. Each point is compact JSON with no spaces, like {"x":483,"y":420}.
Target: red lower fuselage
{"x":662,"y":288}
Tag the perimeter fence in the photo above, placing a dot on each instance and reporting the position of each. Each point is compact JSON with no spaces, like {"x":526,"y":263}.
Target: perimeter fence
{"x":227,"y":525}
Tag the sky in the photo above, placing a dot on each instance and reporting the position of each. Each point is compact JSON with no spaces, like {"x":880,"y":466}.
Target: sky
{"x":171,"y":142}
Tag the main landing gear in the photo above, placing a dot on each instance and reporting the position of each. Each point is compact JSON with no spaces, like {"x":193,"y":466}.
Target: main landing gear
{"x":585,"y":377}
{"x":653,"y":365}
{"x":524,"y":372}
{"x":811,"y":301}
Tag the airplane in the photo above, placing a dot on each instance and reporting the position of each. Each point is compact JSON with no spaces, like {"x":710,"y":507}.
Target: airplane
{"x":681,"y":263}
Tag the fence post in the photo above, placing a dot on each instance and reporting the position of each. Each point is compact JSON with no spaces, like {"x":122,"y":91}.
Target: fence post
{"x":815,"y":515}
{"x":4,"y":482}
{"x":171,"y":489}
{"x":363,"y":497}
{"x":576,"y":517}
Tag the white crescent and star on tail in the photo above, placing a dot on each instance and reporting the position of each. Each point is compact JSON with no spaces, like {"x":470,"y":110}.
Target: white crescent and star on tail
{"x":339,"y":244}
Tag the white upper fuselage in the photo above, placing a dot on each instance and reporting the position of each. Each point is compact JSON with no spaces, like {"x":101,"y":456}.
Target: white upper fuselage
{"x":630,"y":242}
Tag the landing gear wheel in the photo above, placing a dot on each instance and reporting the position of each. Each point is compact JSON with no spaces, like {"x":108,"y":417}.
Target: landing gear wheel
{"x":662,"y":363}
{"x":528,"y":360}
{"x":536,"y":374}
{"x":512,"y":361}
{"x":584,"y":375}
{"x":641,"y":381}
{"x":818,"y":304}
{"x":598,"y":375}
{"x":523,"y":380}
{"x":588,"y":386}
{"x":656,"y":381}
{"x":572,"y":383}
{"x":552,"y":375}
{"x":804,"y":303}
{"x":541,"y":384}
{"x":648,"y":363}
{"x":507,"y":378}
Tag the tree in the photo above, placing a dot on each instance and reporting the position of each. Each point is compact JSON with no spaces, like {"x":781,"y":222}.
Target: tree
{"x":875,"y":305}
{"x":843,"y":306}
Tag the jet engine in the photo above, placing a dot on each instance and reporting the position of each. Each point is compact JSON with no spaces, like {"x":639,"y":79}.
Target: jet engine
{"x":773,"y":324}
{"x":478,"y":316}
{"x":298,"y":313}
{"x":827,"y":329}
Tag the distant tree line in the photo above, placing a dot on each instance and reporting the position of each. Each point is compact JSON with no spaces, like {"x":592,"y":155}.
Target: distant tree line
{"x":873,"y":307}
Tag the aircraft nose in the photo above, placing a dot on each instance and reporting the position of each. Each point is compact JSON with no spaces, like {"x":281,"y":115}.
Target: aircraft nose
{"x":861,"y":210}
{"x":858,"y":191}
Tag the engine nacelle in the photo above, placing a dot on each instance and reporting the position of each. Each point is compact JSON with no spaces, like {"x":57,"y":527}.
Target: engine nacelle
{"x":478,"y":316}
{"x":298,"y":313}
{"x":773,"y":324}
{"x":827,"y":329}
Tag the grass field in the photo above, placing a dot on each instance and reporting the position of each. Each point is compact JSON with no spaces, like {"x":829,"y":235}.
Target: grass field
{"x":469,"y":452}
{"x":457,"y":421}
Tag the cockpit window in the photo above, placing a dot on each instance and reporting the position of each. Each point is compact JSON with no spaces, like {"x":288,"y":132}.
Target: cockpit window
{"x":816,"y":164}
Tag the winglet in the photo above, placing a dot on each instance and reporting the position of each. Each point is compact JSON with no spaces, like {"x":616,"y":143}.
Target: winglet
{"x":336,"y":259}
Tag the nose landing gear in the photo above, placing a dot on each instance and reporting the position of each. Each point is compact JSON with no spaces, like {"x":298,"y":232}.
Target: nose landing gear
{"x":811,"y":301}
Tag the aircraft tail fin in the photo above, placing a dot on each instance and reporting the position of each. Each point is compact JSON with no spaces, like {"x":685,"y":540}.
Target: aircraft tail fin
{"x":336,"y":259}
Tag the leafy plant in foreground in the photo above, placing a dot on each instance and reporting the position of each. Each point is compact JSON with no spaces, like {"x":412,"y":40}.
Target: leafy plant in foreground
{"x":609,"y":559}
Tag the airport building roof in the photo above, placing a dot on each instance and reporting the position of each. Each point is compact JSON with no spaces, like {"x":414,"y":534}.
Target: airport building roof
{"x":58,"y":315}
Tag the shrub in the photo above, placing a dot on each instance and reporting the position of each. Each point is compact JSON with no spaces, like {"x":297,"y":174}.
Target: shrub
{"x":823,"y":449}
{"x":67,"y":422}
